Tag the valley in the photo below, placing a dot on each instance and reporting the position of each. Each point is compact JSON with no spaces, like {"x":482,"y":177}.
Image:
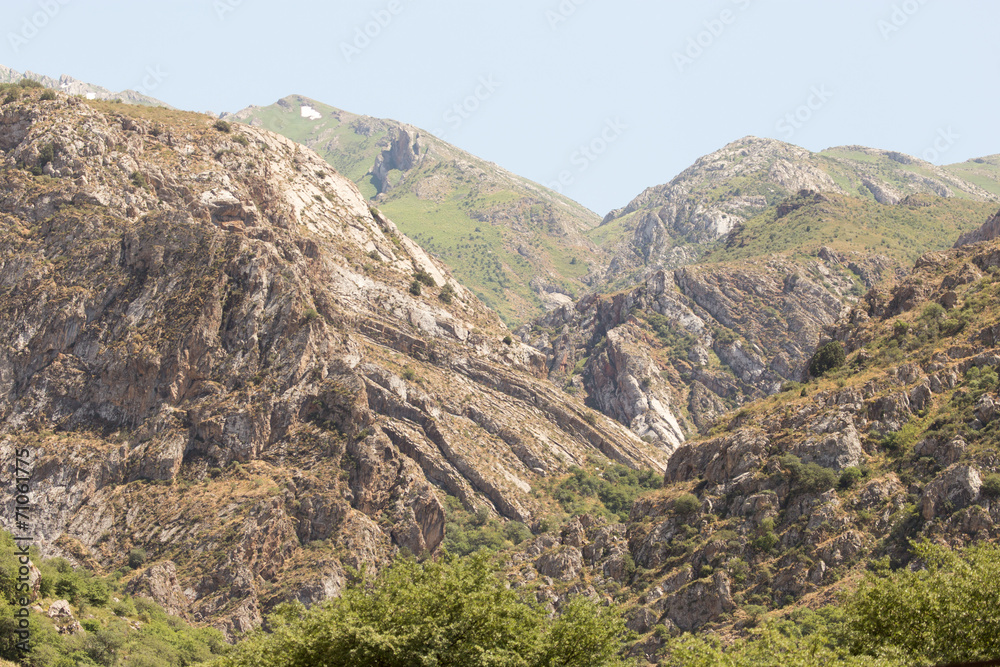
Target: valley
{"x":256,"y":359}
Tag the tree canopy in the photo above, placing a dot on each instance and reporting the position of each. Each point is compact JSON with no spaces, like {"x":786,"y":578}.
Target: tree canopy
{"x":451,"y":611}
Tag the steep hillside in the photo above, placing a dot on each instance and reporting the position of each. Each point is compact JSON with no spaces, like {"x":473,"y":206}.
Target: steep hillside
{"x":727,"y":275}
{"x":216,"y":351}
{"x":791,"y":498}
{"x":517,"y":245}
{"x":70,"y":86}
{"x":671,"y":225}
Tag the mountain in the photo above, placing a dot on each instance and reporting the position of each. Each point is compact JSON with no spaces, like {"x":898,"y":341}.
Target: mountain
{"x":672,"y":224}
{"x":519,"y":246}
{"x":724,"y":280}
{"x":787,"y":501}
{"x":218,"y":353}
{"x":70,"y":86}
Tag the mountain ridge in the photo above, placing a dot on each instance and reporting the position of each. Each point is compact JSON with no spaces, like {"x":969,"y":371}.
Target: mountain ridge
{"x":520,"y":246}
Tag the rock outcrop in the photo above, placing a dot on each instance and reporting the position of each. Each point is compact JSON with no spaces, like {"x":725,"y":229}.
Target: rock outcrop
{"x":212,"y":351}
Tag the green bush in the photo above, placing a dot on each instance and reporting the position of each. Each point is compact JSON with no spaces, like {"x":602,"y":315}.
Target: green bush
{"x":449,"y":611}
{"x":991,"y":485}
{"x":425,"y":278}
{"x":222,"y":126}
{"x":609,"y":493}
{"x":415,"y":288}
{"x":945,"y":611}
{"x":827,"y":358}
{"x":808,"y":477}
{"x":447,"y":293}
{"x":765,"y":541}
{"x":687,"y":504}
{"x":29,"y":83}
{"x":48,"y":96}
{"x":136,"y":557}
{"x":850,"y":477}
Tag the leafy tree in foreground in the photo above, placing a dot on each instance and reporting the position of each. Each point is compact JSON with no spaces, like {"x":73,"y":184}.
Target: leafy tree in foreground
{"x":453,"y":611}
{"x":948,"y":611}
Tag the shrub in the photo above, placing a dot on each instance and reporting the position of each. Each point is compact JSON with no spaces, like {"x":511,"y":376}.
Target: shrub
{"x":944,"y":612}
{"x":827,"y":358}
{"x":423,"y":277}
{"x":808,"y":477}
{"x":932,"y":312}
{"x":447,"y":611}
{"x":415,"y":288}
{"x":849,"y":477}
{"x":687,"y":504}
{"x":447,"y":293}
{"x":766,"y":541}
{"x":508,"y":340}
{"x":991,"y":485}
{"x":48,"y":96}
{"x":46,"y":155}
{"x":310,"y":314}
{"x":138,"y":180}
{"x":136,"y":557}
{"x":222,"y":126}
{"x":29,"y":83}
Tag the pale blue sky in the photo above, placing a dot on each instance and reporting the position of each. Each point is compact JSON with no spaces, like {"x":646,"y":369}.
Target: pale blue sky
{"x":550,"y":80}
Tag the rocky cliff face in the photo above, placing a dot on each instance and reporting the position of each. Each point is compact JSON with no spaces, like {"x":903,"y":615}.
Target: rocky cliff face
{"x":521,"y":247}
{"x":989,"y":231}
{"x":216,"y":351}
{"x":670,"y":356}
{"x":796,"y":493}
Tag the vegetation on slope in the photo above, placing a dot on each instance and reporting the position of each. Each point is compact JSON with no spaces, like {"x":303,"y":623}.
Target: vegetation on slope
{"x":945,"y":611}
{"x":806,"y":221}
{"x":115,"y":628}
{"x":449,"y":611}
{"x":497,"y":232}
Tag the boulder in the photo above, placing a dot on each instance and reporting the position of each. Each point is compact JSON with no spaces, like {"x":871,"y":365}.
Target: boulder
{"x":953,"y":489}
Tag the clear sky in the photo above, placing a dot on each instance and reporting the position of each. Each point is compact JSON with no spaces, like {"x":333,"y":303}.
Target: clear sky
{"x":609,"y":97}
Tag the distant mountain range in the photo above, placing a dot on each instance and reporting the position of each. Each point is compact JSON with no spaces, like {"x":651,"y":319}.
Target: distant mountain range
{"x":70,"y":86}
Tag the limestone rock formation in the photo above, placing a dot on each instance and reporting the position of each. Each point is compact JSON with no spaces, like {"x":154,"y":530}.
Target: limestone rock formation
{"x":212,"y":351}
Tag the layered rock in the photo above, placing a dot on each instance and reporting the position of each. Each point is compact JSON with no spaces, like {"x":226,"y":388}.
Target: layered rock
{"x":213,"y":352}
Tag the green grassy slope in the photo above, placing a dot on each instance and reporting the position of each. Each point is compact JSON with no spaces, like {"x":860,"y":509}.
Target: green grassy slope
{"x":902,"y":232}
{"x":509,"y":240}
